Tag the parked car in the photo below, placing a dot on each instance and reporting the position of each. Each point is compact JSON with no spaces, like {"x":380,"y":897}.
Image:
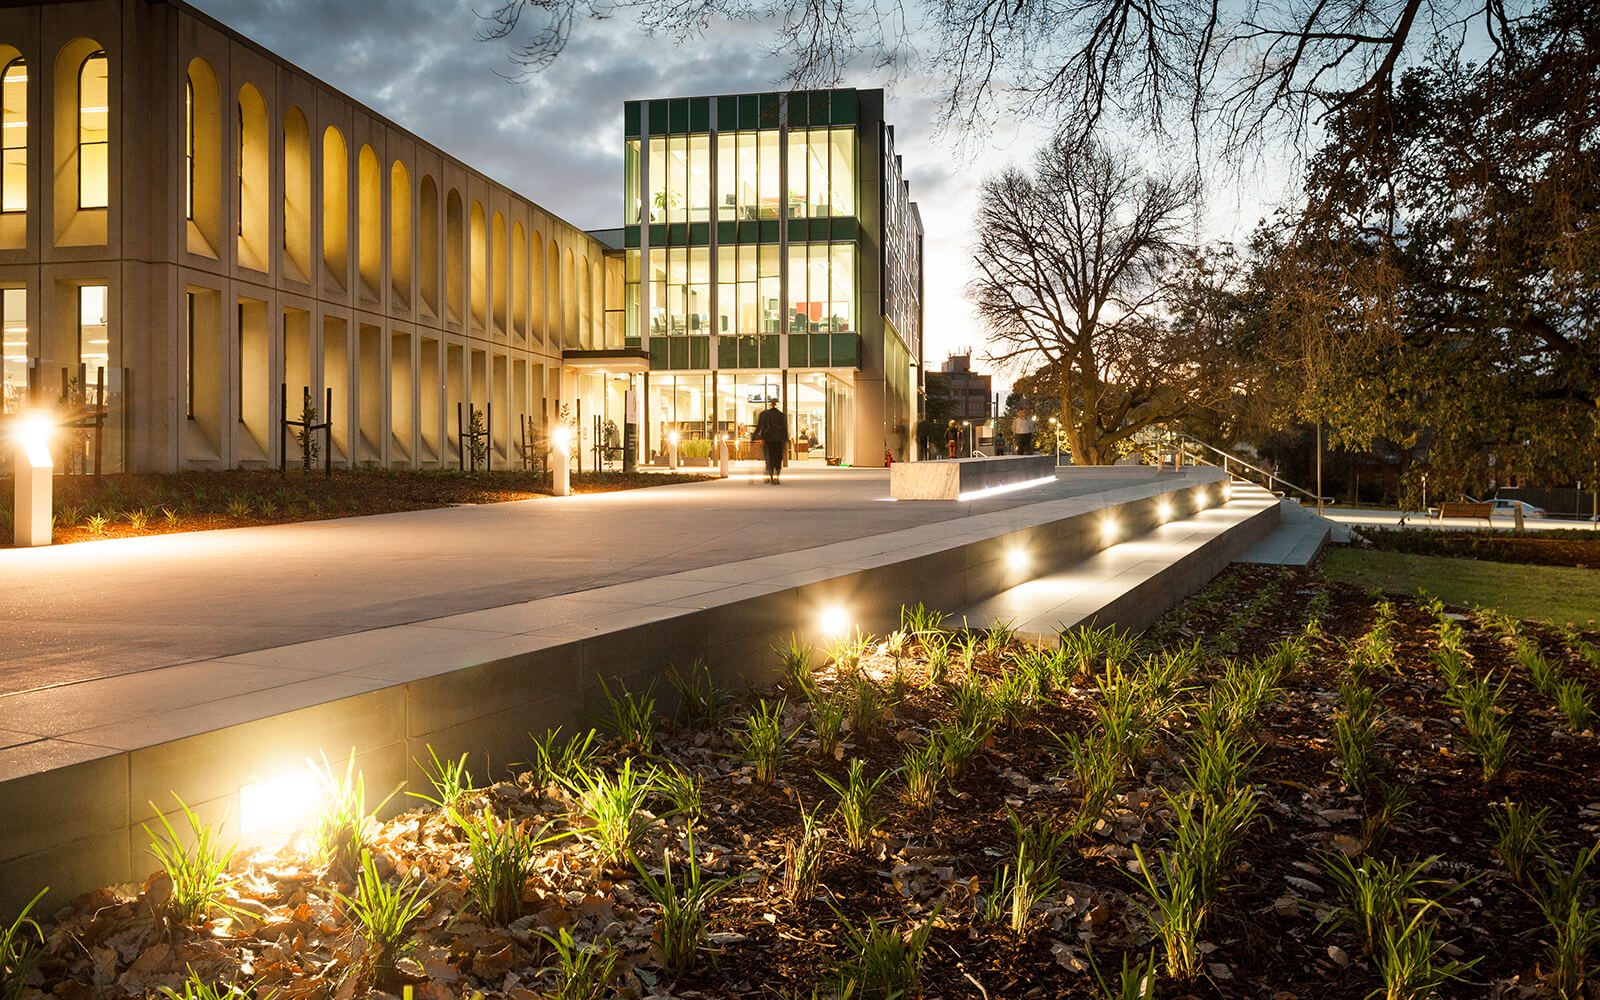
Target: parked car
{"x":1509,"y":507}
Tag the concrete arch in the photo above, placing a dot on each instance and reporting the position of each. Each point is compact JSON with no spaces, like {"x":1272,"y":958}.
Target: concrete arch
{"x":203,"y":159}
{"x":369,"y":221}
{"x":335,"y":206}
{"x":84,"y":127}
{"x":519,"y":280}
{"x":400,"y":231}
{"x":498,"y":292}
{"x":569,"y":301}
{"x":297,"y":209}
{"x":454,"y":284}
{"x":255,"y":186}
{"x":428,"y":243}
{"x":478,"y":265}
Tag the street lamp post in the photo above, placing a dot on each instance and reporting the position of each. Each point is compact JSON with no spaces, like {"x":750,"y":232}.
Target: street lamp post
{"x":1055,"y":437}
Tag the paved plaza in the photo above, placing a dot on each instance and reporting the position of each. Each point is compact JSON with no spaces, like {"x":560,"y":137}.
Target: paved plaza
{"x":97,"y":609}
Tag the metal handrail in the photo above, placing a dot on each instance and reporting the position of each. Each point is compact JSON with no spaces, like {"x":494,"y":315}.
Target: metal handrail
{"x":1229,"y":459}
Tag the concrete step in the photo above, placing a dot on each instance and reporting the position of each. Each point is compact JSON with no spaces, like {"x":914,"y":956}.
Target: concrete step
{"x":1133,"y":583}
{"x":1298,"y":540}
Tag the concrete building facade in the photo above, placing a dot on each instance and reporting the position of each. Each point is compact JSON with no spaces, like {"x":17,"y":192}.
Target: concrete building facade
{"x":205,"y":223}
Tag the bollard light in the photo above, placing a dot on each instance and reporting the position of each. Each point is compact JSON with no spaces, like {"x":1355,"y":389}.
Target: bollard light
{"x":722,"y":455}
{"x":561,"y":475}
{"x":672,"y":450}
{"x":34,"y":477}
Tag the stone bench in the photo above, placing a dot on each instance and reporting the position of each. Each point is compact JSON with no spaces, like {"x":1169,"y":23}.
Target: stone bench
{"x":950,"y":479}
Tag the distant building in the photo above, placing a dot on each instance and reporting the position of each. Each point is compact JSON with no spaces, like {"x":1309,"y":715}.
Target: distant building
{"x":967,"y":391}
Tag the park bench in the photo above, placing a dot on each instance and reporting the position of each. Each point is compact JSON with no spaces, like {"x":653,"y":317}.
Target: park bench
{"x":1462,"y":509}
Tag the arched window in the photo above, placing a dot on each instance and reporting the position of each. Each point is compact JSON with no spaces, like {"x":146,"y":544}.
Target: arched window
{"x":497,"y":270}
{"x":453,"y":254}
{"x":478,"y":266}
{"x":202,"y":153}
{"x":369,"y":221}
{"x":297,"y":206}
{"x":254,"y":172}
{"x":400,"y":231}
{"x":14,"y":137}
{"x":428,"y":244}
{"x":188,"y":149}
{"x":94,"y":135}
{"x":335,"y":206}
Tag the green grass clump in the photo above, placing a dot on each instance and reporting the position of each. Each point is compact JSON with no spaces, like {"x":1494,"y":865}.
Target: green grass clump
{"x":762,"y":740}
{"x":383,"y":915}
{"x":685,"y":903}
{"x":339,"y":831}
{"x":921,"y":772}
{"x":609,"y":810}
{"x":503,"y":854}
{"x":557,"y":760}
{"x":1521,"y":838}
{"x":1572,"y":698}
{"x":857,"y":809}
{"x":802,"y":856}
{"x":198,"y":872}
{"x":699,"y":698}
{"x":581,"y":972}
{"x":1030,"y":876}
{"x":450,"y":779}
{"x":21,"y":947}
{"x":1485,"y":731}
{"x":630,"y":717}
{"x":885,"y":962}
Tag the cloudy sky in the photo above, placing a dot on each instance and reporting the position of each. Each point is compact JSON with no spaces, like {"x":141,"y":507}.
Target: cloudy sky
{"x":558,"y":138}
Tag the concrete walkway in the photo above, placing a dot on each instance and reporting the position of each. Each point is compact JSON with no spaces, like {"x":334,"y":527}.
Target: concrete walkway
{"x":97,"y":609}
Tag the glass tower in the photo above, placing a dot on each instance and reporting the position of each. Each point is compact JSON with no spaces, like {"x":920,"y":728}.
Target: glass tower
{"x":771,"y":252}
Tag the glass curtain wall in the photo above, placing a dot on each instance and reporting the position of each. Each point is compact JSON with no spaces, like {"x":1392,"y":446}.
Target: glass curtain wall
{"x":630,"y":183}
{"x":674,"y":404}
{"x":740,"y":400}
{"x":821,"y":173}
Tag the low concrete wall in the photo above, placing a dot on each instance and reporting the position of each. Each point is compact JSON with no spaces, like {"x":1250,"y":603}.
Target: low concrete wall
{"x":72,"y":809}
{"x":948,"y":480}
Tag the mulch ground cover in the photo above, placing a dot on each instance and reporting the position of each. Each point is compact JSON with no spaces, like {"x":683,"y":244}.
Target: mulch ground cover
{"x":1557,"y":547}
{"x":123,"y":506}
{"x":1265,"y":658}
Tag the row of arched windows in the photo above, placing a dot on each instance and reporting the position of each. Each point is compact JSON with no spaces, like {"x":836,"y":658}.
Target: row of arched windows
{"x":498,"y":277}
{"x":92,"y":100}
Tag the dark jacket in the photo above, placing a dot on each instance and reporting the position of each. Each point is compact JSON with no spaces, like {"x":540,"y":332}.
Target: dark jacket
{"x":771,"y":426}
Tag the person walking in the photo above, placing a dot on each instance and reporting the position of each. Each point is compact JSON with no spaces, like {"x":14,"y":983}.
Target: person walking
{"x":952,"y":439}
{"x":1022,"y":430}
{"x":772,"y":430}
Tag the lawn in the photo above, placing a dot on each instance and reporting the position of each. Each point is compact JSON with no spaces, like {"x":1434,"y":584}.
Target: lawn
{"x":1284,"y":789}
{"x":1555,"y":594}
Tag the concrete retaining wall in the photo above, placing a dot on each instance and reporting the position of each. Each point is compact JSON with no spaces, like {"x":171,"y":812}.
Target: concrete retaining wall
{"x":480,"y":682}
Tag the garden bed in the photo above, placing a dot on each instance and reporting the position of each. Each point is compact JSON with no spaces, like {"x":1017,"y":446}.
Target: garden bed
{"x":1300,"y":729}
{"x":123,"y":506}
